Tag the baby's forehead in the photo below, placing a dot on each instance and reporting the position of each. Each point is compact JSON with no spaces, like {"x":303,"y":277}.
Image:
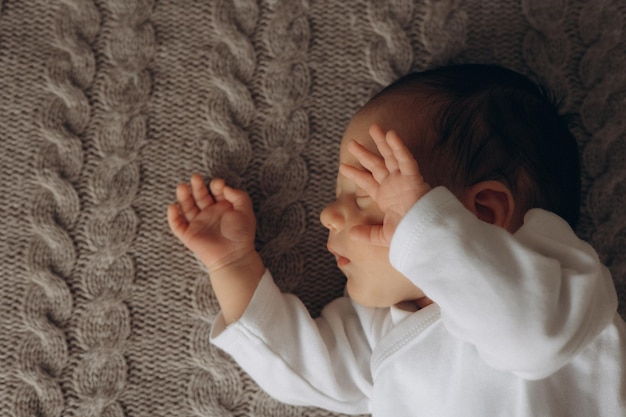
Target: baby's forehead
{"x":406,"y":115}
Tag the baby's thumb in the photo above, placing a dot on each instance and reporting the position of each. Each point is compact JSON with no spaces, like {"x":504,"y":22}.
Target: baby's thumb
{"x":239,"y":199}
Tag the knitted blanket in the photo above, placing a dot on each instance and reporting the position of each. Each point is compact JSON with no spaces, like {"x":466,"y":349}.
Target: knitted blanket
{"x":106,"y":105}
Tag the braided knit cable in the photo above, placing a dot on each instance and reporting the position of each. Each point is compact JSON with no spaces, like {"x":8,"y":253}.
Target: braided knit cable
{"x":444,"y":31}
{"x":284,"y":174}
{"x":214,"y":387}
{"x":104,"y":321}
{"x":601,"y":27}
{"x":546,"y":48}
{"x":51,"y":255}
{"x":230,"y":108}
{"x":389,"y":55}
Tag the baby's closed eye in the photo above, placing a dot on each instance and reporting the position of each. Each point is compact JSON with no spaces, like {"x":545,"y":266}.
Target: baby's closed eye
{"x":362,"y":198}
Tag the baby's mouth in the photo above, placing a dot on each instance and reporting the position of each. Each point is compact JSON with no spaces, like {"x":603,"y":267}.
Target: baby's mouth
{"x":341,"y":260}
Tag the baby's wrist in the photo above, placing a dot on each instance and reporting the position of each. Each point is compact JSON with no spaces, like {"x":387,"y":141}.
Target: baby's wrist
{"x":246,"y":262}
{"x":235,"y":284}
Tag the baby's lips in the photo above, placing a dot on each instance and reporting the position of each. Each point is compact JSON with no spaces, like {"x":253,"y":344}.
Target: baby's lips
{"x":341,"y":260}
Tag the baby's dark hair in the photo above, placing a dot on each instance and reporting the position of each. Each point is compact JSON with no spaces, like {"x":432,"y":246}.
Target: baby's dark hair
{"x":491,"y":123}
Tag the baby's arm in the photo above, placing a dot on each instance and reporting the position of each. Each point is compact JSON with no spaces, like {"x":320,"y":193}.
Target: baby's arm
{"x":219,"y":229}
{"x":529,"y":302}
{"x":295,"y":358}
{"x":299,"y":360}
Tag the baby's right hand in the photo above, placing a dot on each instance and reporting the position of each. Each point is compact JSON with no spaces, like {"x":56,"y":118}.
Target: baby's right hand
{"x":392,"y":179}
{"x":218,"y":228}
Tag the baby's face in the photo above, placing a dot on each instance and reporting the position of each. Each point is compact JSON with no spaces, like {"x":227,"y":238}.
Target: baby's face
{"x":371,"y":280}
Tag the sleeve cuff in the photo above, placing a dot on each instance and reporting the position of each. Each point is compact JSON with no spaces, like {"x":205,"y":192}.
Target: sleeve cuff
{"x":252,"y":317}
{"x":435,"y":204}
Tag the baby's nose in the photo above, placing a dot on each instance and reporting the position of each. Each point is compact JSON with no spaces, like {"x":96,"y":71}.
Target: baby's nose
{"x":331,"y":218}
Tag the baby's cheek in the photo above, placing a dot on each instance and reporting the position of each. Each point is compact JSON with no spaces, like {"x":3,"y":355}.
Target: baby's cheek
{"x":372,"y":258}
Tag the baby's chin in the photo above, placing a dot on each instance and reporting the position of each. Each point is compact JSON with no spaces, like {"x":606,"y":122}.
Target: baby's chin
{"x":364,"y":299}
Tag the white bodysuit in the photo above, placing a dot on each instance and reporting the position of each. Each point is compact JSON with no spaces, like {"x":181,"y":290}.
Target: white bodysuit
{"x":523,"y":324}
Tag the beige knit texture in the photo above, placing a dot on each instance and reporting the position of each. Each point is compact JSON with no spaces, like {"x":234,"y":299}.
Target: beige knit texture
{"x":106,"y":105}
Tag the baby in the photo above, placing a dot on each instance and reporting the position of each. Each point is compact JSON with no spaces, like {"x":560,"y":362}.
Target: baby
{"x":469,"y":293}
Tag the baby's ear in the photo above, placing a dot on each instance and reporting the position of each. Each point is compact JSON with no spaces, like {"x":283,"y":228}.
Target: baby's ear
{"x":492,"y":202}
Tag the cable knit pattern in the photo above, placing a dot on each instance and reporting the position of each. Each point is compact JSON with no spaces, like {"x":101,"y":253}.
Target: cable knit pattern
{"x":106,"y":105}
{"x":51,"y":256}
{"x":602,"y":30}
{"x":284,"y":174}
{"x":104,"y":323}
{"x":227,"y":152}
{"x":546,"y":47}
{"x":214,"y":388}
{"x":389,"y":54}
{"x":444,"y":31}
{"x":230,"y":108}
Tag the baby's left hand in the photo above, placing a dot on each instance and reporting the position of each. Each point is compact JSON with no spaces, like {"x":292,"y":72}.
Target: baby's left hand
{"x":392,"y":179}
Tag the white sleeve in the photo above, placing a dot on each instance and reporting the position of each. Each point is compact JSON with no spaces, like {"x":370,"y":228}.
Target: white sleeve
{"x":299,"y":360}
{"x":528,"y":301}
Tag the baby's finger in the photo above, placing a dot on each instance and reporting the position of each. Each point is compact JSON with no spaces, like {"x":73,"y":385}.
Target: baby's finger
{"x":177,"y":224}
{"x":361,"y":178}
{"x":372,"y":235}
{"x":239,"y":199}
{"x":405,"y":160}
{"x":379,"y":137}
{"x":186,"y":203}
{"x":217,"y":189}
{"x":373,"y":163}
{"x":200,"y":193}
